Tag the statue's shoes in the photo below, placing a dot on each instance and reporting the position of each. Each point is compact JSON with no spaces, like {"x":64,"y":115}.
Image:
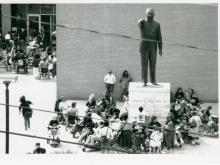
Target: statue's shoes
{"x":156,"y":84}
{"x":145,"y":85}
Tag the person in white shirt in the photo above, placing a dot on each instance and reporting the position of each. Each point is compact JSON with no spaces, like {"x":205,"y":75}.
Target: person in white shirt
{"x":110,"y":80}
{"x":141,"y":116}
{"x":7,"y":36}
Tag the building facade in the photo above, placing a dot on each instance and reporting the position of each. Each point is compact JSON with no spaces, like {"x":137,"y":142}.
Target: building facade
{"x":27,"y":16}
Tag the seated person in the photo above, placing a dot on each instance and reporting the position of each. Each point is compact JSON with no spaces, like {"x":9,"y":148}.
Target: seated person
{"x":39,"y":150}
{"x":86,"y":123}
{"x":156,"y":139}
{"x":91,"y":102}
{"x":102,"y":134}
{"x":179,"y":94}
{"x":139,"y":131}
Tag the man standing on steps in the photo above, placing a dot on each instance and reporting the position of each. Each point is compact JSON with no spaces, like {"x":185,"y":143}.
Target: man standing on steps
{"x":110,"y":80}
{"x":151,"y":37}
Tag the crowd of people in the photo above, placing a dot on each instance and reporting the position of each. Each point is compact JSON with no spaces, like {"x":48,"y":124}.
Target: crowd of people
{"x":184,"y":124}
{"x":37,"y":52}
{"x":105,"y":125}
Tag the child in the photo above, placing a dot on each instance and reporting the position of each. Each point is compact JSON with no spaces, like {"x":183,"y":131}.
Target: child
{"x":141,"y":117}
{"x":156,"y":139}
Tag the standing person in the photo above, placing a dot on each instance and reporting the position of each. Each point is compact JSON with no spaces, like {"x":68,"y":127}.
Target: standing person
{"x":26,"y":111}
{"x":169,"y":132}
{"x":58,"y":101}
{"x":125,"y":132}
{"x":35,"y":64}
{"x":124,"y":82}
{"x":110,"y":80}
{"x":22,"y":38}
{"x":44,"y":68}
{"x":151,"y":37}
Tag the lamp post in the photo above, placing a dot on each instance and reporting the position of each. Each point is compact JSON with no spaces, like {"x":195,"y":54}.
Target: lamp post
{"x":7,"y":115}
{"x":7,"y":79}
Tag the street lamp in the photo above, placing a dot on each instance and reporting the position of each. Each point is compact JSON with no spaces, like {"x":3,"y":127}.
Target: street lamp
{"x":7,"y":79}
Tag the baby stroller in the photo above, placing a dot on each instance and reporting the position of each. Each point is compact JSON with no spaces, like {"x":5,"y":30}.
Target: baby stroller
{"x":54,"y":131}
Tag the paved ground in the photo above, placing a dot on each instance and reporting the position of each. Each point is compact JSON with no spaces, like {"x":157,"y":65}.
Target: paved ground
{"x":43,"y":96}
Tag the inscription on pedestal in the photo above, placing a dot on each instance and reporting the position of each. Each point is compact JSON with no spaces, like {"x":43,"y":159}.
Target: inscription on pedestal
{"x":154,"y":100}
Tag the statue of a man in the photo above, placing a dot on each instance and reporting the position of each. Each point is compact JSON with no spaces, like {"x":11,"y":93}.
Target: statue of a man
{"x":151,"y":37}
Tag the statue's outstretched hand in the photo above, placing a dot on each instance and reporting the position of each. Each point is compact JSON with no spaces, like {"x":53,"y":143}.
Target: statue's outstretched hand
{"x":140,"y":21}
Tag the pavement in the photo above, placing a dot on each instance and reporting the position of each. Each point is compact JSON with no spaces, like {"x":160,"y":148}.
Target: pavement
{"x":43,"y":95}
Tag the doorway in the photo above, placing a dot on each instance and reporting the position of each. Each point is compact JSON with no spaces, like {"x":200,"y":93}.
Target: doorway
{"x":33,"y":25}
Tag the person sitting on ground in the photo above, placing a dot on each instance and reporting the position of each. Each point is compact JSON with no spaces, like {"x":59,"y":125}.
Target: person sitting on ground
{"x":179,"y":95}
{"x":91,"y":102}
{"x":86,"y":123}
{"x":102,"y":135}
{"x":39,"y":149}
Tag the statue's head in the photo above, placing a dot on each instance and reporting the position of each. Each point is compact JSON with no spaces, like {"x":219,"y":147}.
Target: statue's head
{"x":150,"y":14}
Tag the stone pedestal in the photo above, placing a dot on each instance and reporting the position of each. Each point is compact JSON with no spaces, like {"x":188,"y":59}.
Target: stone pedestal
{"x":154,"y":99}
